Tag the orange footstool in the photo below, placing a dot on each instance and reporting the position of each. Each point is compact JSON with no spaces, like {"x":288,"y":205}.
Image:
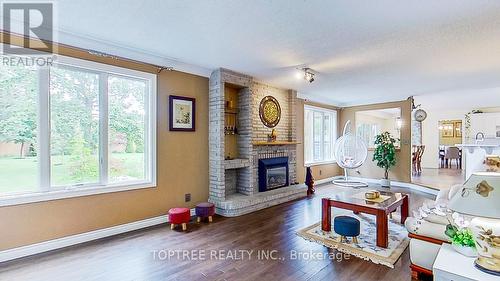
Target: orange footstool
{"x":179,"y":216}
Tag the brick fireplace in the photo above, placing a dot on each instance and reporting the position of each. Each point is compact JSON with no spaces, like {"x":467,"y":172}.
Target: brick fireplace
{"x":239,"y":143}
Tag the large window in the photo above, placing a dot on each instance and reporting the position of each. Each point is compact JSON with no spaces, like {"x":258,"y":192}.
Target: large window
{"x":76,"y":126}
{"x":320,"y":133}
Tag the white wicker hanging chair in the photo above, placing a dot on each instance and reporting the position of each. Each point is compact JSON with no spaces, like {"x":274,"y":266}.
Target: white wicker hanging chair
{"x":350,"y":152}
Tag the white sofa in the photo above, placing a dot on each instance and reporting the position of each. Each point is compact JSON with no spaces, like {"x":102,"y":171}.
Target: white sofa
{"x":426,"y":231}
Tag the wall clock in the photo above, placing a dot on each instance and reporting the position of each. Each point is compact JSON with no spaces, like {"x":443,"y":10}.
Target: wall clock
{"x":420,"y":115}
{"x":270,"y":111}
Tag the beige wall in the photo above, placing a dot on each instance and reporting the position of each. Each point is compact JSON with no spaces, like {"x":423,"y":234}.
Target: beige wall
{"x":402,"y":170}
{"x":319,"y":171}
{"x":182,"y":167}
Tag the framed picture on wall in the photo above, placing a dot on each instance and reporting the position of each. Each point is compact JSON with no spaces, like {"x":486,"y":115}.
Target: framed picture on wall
{"x":182,"y":111}
{"x":458,"y":129}
{"x":447,"y":129}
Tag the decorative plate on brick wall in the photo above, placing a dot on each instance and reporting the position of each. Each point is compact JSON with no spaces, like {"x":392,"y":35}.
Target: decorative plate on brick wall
{"x":270,"y":111}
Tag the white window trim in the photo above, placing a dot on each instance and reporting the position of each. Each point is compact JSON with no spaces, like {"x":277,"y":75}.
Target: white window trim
{"x":33,"y":197}
{"x":334,"y":134}
{"x":48,"y":193}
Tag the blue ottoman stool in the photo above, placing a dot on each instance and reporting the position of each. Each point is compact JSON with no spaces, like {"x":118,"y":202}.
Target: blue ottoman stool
{"x":346,"y":226}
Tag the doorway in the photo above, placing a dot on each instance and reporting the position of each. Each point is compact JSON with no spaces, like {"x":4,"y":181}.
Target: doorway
{"x":447,"y":153}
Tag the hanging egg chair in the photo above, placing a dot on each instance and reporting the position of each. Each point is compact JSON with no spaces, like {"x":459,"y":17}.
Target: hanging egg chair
{"x":350,"y":152}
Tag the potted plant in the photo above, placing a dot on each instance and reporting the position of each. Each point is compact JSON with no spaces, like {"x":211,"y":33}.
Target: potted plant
{"x":462,"y":239}
{"x":385,"y":155}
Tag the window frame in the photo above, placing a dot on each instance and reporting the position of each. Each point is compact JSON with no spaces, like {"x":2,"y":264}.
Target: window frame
{"x":46,"y":192}
{"x":334,"y":135}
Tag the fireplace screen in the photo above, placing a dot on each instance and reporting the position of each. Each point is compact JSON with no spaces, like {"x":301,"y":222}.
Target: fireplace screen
{"x":273,"y":173}
{"x":276,"y":177}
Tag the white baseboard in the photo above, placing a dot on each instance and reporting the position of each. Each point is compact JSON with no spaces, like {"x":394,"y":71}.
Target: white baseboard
{"x":59,"y":243}
{"x":322,"y":181}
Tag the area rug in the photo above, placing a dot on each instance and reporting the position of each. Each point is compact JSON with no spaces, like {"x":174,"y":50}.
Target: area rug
{"x":367,"y":245}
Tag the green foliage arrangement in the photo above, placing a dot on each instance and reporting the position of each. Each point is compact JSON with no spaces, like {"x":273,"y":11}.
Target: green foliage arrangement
{"x":462,"y":237}
{"x":385,"y":152}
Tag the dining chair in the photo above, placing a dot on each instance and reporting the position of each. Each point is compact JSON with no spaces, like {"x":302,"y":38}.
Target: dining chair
{"x":417,"y":152}
{"x":441,"y":156}
{"x":419,"y":158}
{"x":451,"y":153}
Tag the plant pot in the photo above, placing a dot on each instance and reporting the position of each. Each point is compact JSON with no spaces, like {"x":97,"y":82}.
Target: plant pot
{"x":466,"y":251}
{"x":385,"y":183}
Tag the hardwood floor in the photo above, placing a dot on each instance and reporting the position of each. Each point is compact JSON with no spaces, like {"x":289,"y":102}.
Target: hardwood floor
{"x":439,"y":178}
{"x":131,"y":256}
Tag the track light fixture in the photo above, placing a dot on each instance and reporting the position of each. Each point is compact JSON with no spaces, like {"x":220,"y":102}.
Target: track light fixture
{"x":306,"y":73}
{"x":309,"y":76}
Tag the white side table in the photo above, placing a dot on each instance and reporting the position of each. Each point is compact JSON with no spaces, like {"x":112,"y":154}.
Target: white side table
{"x":452,"y":266}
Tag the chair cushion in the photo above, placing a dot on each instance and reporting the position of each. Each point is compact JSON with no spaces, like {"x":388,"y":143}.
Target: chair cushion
{"x":205,"y":209}
{"x":346,"y":226}
{"x":179,"y":215}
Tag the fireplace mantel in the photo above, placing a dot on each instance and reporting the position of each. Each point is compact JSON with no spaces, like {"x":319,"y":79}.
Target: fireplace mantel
{"x":263,"y":143}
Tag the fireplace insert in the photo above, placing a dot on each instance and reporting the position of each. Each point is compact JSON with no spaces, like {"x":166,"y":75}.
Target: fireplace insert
{"x":273,"y":173}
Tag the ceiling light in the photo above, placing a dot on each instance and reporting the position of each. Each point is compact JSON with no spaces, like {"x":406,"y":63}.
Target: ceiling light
{"x":309,"y":76}
{"x":306,"y":73}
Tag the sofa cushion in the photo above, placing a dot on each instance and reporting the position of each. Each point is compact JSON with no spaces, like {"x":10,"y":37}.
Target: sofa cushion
{"x":425,"y":228}
{"x":432,"y":212}
{"x":437,"y":219}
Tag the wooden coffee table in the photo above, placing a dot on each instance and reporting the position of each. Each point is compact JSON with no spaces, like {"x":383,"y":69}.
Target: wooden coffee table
{"x":345,"y":200}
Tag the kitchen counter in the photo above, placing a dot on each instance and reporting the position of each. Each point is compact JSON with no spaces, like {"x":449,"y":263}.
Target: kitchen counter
{"x":475,"y":154}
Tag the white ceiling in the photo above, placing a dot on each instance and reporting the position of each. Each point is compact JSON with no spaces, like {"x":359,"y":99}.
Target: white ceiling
{"x":363,"y":51}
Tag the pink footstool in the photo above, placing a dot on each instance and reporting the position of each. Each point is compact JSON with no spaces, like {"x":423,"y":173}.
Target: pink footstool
{"x":179,"y":216}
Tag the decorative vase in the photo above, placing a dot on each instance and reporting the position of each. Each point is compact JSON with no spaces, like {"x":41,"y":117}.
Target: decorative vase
{"x":309,"y":181}
{"x":385,"y":183}
{"x":464,"y":250}
{"x":487,"y":237}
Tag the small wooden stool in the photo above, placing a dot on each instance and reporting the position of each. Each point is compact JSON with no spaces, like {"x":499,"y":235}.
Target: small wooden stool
{"x":179,"y":216}
{"x":205,"y":210}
